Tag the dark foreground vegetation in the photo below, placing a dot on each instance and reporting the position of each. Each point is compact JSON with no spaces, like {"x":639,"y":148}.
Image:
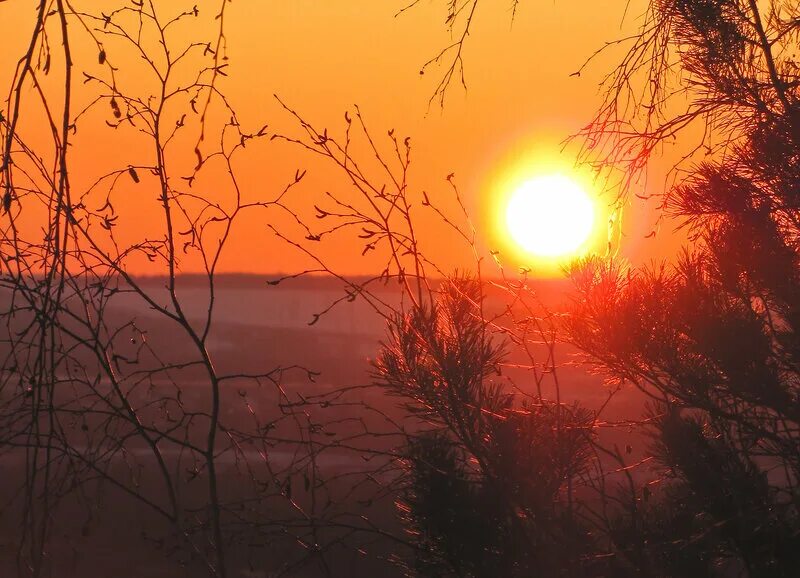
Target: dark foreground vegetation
{"x":172,"y":425}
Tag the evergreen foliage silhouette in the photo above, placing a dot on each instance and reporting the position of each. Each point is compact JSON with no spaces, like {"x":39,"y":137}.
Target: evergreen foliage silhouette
{"x":714,"y":338}
{"x":487,"y":474}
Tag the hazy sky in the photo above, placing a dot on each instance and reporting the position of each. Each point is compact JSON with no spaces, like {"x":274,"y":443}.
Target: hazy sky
{"x":323,"y":56}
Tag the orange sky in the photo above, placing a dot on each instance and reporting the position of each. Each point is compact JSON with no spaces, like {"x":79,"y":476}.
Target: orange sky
{"x":321,"y":57}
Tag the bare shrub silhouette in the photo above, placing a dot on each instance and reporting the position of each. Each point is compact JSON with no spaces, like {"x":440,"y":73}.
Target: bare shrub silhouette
{"x":492,"y":471}
{"x":92,"y":395}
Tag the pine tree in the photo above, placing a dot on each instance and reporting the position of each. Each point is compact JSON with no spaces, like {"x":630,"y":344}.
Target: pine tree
{"x":486,"y":474}
{"x":714,"y":338}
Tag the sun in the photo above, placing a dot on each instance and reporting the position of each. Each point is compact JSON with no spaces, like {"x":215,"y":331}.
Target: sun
{"x":550,"y":216}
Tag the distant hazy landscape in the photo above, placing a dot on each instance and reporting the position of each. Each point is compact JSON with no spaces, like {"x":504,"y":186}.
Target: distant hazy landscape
{"x":257,"y":327}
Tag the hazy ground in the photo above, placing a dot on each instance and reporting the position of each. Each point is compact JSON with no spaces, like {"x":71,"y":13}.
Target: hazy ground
{"x":257,"y":327}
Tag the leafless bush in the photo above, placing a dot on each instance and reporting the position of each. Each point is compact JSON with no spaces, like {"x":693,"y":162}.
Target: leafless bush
{"x":92,"y":396}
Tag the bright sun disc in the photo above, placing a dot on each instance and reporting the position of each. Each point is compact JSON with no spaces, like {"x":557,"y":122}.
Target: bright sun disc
{"x":550,"y":216}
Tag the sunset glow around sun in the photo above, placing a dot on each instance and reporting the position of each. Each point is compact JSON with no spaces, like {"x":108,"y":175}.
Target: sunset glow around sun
{"x":550,"y":216}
